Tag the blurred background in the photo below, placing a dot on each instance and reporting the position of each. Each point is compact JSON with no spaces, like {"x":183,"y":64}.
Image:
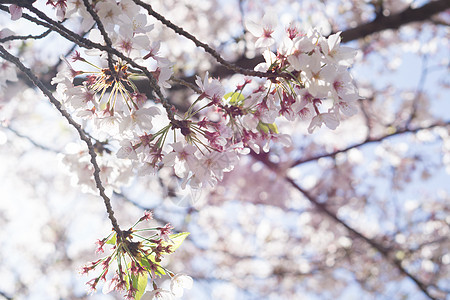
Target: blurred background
{"x":361,"y":212}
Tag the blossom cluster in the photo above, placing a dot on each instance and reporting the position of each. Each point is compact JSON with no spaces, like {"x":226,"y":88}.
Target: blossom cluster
{"x":306,"y":78}
{"x":318,"y":69}
{"x":308,"y":72}
{"x":135,"y":258}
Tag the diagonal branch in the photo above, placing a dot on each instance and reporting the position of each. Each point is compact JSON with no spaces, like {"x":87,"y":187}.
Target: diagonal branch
{"x":25,"y":37}
{"x":207,"y":48}
{"x":322,"y":207}
{"x":369,"y":141}
{"x":29,"y":139}
{"x":395,"y":21}
{"x":102,"y":31}
{"x":7,"y":56}
{"x":384,"y":252}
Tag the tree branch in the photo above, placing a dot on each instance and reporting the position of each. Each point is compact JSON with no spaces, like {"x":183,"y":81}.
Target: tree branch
{"x":25,"y":37}
{"x":368,"y":141}
{"x":322,"y":207}
{"x":409,"y":15}
{"x":7,"y":56}
{"x":230,"y":66}
{"x":394,"y":261}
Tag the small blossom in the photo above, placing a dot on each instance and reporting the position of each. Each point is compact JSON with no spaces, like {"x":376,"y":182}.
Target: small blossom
{"x":15,"y":11}
{"x":329,"y":119}
{"x":100,"y":244}
{"x":211,"y":88}
{"x":263,"y":31}
{"x":160,"y":294}
{"x":180,"y":282}
{"x":148,"y":215}
{"x":165,"y":231}
{"x":92,"y":285}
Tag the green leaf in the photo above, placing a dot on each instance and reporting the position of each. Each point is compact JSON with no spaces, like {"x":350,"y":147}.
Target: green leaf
{"x":177,"y":240}
{"x":148,"y":260}
{"x":266,"y":127}
{"x":236,"y":98}
{"x":139,"y":283}
{"x":112,"y":240}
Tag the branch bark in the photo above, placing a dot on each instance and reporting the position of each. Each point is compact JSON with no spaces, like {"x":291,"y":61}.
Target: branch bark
{"x":395,"y":21}
{"x":323,"y":208}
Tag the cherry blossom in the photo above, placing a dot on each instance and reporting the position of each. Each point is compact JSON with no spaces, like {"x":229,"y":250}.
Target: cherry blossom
{"x":158,"y":114}
{"x":15,"y":11}
{"x":160,"y":294}
{"x":263,"y":31}
{"x":178,"y":283}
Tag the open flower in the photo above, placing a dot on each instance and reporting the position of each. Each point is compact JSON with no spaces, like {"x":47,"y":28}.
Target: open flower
{"x":329,"y":119}
{"x":180,"y":282}
{"x":263,"y":31}
{"x":160,"y":294}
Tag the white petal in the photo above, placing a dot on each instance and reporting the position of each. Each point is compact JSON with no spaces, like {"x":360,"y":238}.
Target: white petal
{"x":254,"y":28}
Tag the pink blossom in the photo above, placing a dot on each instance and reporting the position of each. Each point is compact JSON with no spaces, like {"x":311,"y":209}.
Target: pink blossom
{"x":160,"y":294}
{"x":329,"y":119}
{"x":180,"y":282}
{"x":211,"y":88}
{"x":148,"y":215}
{"x":15,"y":11}
{"x":263,"y":31}
{"x":165,"y":232}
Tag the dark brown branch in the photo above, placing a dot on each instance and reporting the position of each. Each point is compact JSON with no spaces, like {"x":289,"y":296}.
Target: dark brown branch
{"x":368,"y":141}
{"x":322,"y":207}
{"x":103,"y":33}
{"x":54,"y":26}
{"x":25,"y":37}
{"x":395,"y":21}
{"x":232,"y":67}
{"x":394,"y":261}
{"x":9,"y":57}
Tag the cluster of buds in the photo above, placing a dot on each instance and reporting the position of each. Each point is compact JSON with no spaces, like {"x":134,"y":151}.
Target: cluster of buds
{"x":135,"y":258}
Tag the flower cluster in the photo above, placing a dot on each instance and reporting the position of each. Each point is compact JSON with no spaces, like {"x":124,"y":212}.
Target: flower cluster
{"x":307,"y":79}
{"x":135,"y":258}
{"x":317,"y":69}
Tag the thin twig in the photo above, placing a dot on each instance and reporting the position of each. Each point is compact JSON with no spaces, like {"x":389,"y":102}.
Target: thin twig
{"x":322,"y":207}
{"x":34,"y":143}
{"x":103,"y":33}
{"x":83,"y":42}
{"x":206,"y":47}
{"x":396,"y":262}
{"x":186,"y":84}
{"x":25,"y":37}
{"x":368,"y":141}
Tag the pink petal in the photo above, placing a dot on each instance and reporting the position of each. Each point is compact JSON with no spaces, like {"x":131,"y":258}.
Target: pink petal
{"x":16,"y":12}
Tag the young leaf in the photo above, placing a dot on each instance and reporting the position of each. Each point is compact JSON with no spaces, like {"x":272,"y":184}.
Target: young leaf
{"x":139,"y":283}
{"x":177,"y":240}
{"x":112,"y":240}
{"x":266,"y":127}
{"x":148,"y":261}
{"x":236,"y":98}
